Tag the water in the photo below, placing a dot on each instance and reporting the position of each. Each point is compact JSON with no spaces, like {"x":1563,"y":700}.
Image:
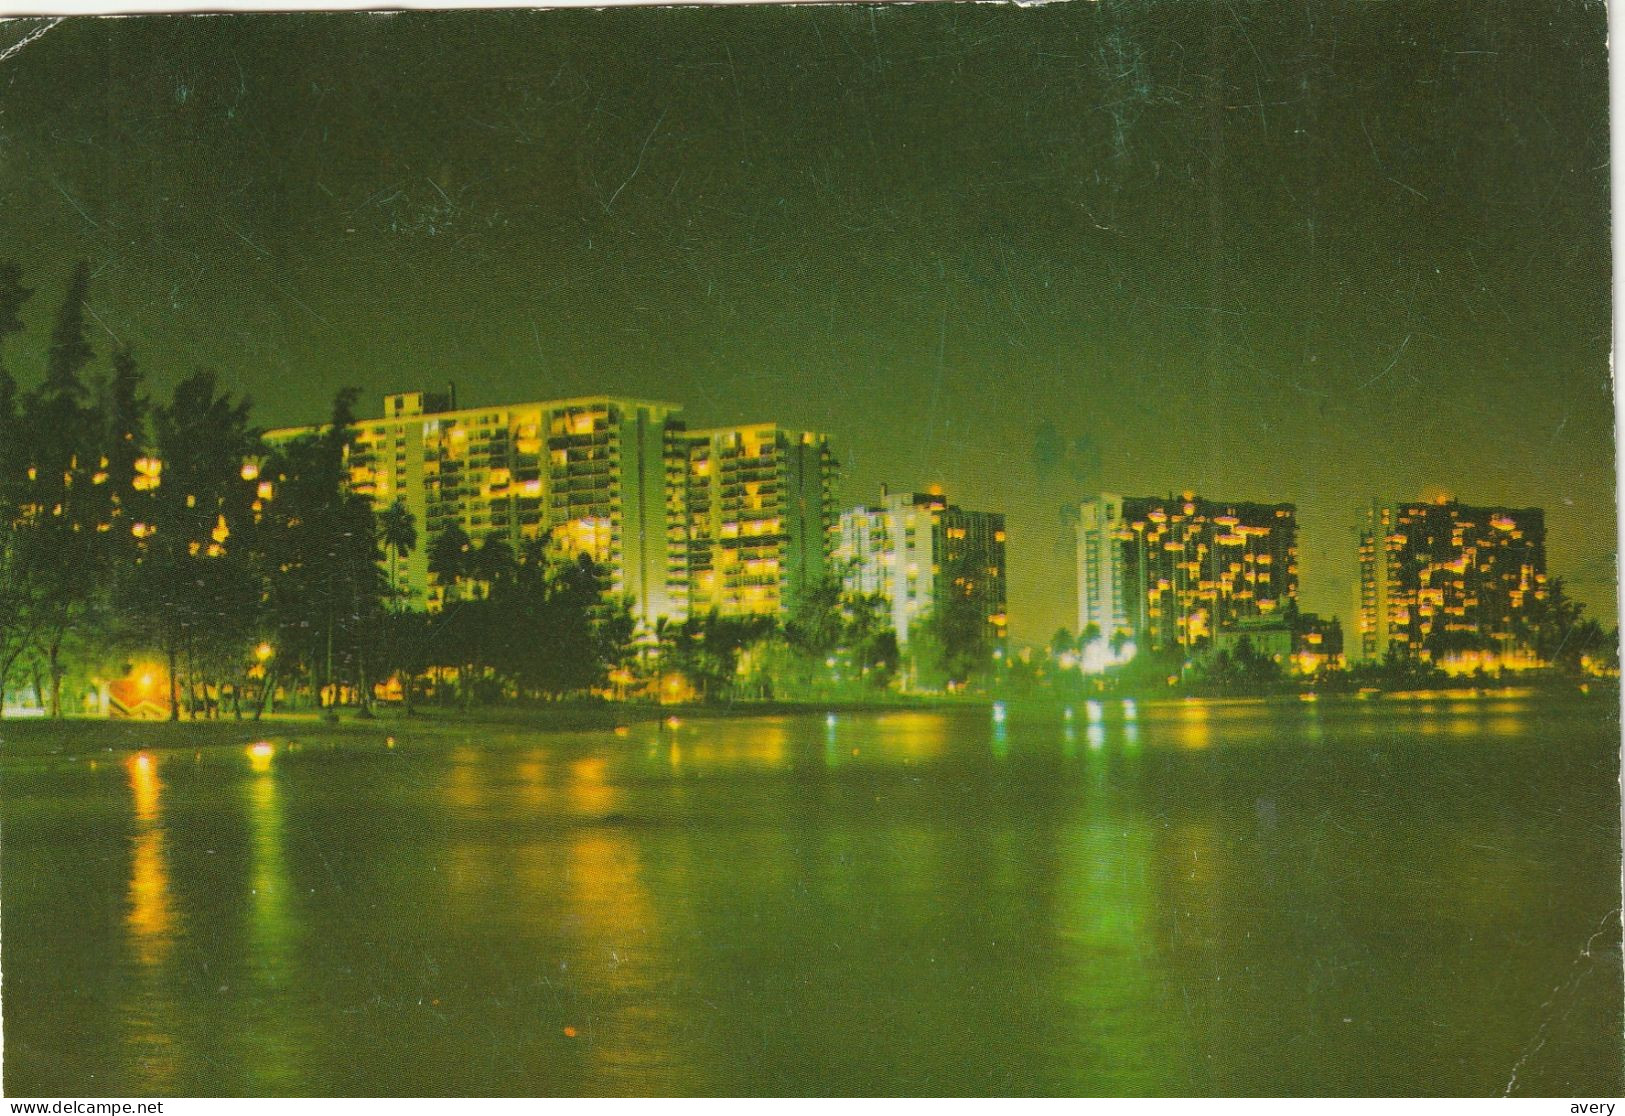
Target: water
{"x":1200,"y":898}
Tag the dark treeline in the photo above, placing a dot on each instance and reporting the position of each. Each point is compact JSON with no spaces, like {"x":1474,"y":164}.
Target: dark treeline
{"x":1555,"y":629}
{"x":168,"y":534}
{"x":167,"y":540}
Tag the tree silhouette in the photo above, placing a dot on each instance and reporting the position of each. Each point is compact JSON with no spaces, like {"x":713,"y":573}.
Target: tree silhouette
{"x":398,"y":534}
{"x":194,"y":591}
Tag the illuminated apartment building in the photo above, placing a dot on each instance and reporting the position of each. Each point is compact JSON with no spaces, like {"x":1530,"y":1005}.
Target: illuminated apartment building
{"x":592,"y":476}
{"x":758,"y":507}
{"x":1172,"y":572}
{"x":1100,"y":568}
{"x":915,"y":549}
{"x":1443,"y":581}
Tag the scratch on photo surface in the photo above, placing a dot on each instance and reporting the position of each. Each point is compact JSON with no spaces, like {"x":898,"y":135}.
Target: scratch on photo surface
{"x":1570,"y":984}
{"x":28,"y":38}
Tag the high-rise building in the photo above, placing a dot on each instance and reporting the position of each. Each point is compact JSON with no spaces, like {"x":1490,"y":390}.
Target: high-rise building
{"x":1102,"y":606}
{"x":1440,"y":580}
{"x":1171,"y":572}
{"x":759,"y":515}
{"x":593,"y":476}
{"x":917,"y":550}
{"x":738,"y":519}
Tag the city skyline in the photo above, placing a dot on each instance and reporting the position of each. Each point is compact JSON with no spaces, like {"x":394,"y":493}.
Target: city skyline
{"x":685,"y":477}
{"x":1095,"y":250}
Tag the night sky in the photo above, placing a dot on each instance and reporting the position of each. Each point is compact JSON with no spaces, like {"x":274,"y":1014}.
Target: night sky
{"x":1316,"y":253}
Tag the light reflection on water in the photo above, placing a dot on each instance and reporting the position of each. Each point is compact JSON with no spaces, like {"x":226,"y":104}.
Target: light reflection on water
{"x":1195,"y":729}
{"x":151,"y":916}
{"x":272,"y":933}
{"x":1184,"y":897}
{"x":150,"y":922}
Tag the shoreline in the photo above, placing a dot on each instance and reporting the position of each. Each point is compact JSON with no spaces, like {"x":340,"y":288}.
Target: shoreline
{"x":41,"y":737}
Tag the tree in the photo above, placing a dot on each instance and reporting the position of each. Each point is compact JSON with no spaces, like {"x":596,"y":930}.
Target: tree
{"x":706,"y":649}
{"x":816,"y":624}
{"x":491,"y":564}
{"x":1062,"y":642}
{"x":962,"y":631}
{"x":926,"y":656}
{"x":1244,"y":666}
{"x":16,"y":613}
{"x":398,"y":534}
{"x":449,"y":559}
{"x":323,"y":550}
{"x":408,"y":649}
{"x":70,"y":350}
{"x":62,"y":509}
{"x":12,"y":296}
{"x":1554,"y":628}
{"x":195,"y":589}
{"x":870,"y":638}
{"x":124,"y":412}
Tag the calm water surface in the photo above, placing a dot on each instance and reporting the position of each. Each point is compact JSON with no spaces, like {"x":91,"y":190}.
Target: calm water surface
{"x":1408,"y":897}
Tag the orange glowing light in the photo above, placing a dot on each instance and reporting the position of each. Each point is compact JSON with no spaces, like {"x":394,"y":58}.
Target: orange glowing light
{"x":259,"y":756}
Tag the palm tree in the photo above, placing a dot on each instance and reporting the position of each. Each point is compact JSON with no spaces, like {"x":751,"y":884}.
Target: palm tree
{"x":448,"y":558}
{"x":398,"y":533}
{"x":492,"y":564}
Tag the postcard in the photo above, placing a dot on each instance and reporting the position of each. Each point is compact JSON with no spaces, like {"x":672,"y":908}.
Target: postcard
{"x":920,"y":550}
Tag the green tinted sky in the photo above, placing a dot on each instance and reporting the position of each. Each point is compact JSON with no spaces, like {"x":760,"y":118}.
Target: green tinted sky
{"x":1304,"y":252}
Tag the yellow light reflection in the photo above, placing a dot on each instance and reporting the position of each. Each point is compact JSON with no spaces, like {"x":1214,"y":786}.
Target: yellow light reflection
{"x":259,"y":757}
{"x":723,"y":745}
{"x":532,"y":776}
{"x":594,"y":896}
{"x":144,"y":786}
{"x":915,"y":736}
{"x":1314,"y":732}
{"x":151,"y":918}
{"x":465,"y":786}
{"x":151,"y":915}
{"x":589,"y":791}
{"x":1193,"y":728}
{"x":270,"y":923}
{"x":150,"y":921}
